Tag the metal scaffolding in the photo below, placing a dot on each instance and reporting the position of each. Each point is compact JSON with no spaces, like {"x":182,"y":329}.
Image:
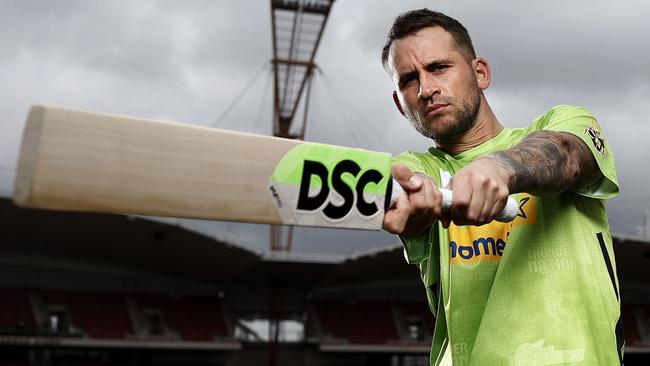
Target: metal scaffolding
{"x":297,"y":27}
{"x":297,"y":30}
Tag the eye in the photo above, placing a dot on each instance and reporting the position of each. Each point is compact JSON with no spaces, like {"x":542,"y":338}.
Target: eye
{"x":437,"y":67}
{"x":406,"y":80}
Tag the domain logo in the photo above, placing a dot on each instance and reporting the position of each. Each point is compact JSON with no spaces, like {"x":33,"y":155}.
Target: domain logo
{"x":469,"y":244}
{"x":488,"y":247}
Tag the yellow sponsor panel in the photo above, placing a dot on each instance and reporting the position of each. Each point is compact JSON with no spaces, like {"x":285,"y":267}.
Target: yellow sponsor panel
{"x":470,"y":244}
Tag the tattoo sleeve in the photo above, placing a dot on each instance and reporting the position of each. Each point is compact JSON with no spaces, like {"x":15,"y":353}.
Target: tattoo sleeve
{"x":548,"y":162}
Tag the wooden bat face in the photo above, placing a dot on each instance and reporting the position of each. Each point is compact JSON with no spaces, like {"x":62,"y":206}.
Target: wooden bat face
{"x":80,"y":161}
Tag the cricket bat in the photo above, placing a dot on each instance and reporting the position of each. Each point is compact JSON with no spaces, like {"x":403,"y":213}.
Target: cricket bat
{"x":81,"y":161}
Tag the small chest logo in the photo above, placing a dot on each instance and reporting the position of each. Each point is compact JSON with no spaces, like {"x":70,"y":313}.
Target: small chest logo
{"x":596,"y":139}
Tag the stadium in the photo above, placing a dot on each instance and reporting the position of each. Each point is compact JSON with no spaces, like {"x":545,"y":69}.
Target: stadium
{"x":100,"y":289}
{"x":86,"y":288}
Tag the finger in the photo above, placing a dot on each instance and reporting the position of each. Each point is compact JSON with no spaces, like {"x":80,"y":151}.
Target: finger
{"x":405,"y":177}
{"x":490,"y":192}
{"x":475,"y":207}
{"x":460,"y":201}
{"x":495,"y":198}
{"x":428,"y":200}
{"x":421,"y":199}
{"x":485,"y":215}
{"x":395,"y":219}
{"x":500,"y":203}
{"x":435,"y":199}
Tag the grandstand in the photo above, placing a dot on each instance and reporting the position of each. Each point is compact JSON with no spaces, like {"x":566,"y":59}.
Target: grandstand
{"x":96,"y":289}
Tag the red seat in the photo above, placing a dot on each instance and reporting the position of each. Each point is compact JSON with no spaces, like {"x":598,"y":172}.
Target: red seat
{"x":195,"y":318}
{"x":98,"y":315}
{"x":360,"y":323}
{"x":16,"y":314}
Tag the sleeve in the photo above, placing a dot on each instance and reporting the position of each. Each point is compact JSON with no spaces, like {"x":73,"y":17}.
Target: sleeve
{"x":411,"y":160}
{"x":583,"y":124}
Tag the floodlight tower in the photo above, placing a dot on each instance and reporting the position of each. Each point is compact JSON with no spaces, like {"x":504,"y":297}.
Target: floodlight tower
{"x":297,"y":27}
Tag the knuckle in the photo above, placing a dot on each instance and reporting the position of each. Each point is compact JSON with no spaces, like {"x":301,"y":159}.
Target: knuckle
{"x":461,"y":204}
{"x":389,"y":226}
{"x":483,"y":181}
{"x":394,"y":225}
{"x":472,"y":216}
{"x":424,"y":207}
{"x":494,"y":187}
{"x":504,"y":192}
{"x":418,"y":205}
{"x":390,"y":229}
{"x":397,"y":229}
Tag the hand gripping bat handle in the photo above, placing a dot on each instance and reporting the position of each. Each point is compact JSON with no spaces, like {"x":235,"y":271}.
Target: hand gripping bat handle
{"x":506,"y":215}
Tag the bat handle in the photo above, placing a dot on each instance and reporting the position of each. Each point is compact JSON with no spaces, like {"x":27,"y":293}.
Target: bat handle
{"x":506,"y":215}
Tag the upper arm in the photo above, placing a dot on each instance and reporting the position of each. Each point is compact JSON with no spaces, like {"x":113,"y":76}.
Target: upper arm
{"x":598,"y":177}
{"x":578,"y":151}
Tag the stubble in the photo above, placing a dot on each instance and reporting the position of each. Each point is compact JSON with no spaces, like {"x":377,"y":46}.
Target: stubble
{"x":462,"y":120}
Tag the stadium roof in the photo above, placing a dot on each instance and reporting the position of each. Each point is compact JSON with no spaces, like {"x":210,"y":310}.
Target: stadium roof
{"x":167,"y":249}
{"x":159,"y":247}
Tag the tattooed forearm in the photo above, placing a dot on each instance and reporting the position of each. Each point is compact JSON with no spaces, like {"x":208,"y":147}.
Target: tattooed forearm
{"x":548,"y":162}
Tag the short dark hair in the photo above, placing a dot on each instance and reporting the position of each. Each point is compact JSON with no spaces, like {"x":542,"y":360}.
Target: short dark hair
{"x":412,"y":21}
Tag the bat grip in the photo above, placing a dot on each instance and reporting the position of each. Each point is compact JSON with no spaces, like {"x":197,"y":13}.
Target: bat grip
{"x":506,"y":215}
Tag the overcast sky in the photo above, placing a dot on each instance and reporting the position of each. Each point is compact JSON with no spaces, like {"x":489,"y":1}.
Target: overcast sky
{"x":187,"y":60}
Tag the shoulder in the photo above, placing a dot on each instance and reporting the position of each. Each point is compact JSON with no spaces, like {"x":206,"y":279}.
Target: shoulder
{"x":561,"y":114}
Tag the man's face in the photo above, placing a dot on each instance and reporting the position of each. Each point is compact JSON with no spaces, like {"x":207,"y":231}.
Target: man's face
{"x":435,"y":83}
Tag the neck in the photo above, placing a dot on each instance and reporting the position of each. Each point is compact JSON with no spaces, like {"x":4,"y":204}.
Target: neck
{"x":486,"y":127}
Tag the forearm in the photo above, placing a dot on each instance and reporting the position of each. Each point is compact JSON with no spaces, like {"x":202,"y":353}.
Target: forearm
{"x":548,"y":162}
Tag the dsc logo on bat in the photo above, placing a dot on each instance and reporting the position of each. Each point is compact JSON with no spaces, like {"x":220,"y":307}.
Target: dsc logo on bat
{"x":325,"y":185}
{"x":307,"y":201}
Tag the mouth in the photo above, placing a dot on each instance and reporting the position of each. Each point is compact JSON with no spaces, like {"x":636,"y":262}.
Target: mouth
{"x":435,"y":109}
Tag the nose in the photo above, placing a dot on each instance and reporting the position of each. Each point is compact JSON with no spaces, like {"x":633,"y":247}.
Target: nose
{"x":427,"y":87}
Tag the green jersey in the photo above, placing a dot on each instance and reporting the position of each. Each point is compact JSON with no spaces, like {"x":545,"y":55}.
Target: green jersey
{"x":541,"y":290}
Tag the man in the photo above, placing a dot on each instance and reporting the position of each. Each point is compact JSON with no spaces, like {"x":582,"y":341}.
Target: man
{"x":540,"y":290}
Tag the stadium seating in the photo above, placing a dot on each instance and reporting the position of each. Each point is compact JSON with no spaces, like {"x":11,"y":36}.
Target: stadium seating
{"x":193,"y":318}
{"x":97,"y":315}
{"x":359,"y":323}
{"x":16,"y":314}
{"x":422,"y":312}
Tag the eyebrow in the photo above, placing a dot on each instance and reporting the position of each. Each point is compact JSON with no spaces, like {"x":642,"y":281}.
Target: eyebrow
{"x":404,"y":78}
{"x":436,"y":64}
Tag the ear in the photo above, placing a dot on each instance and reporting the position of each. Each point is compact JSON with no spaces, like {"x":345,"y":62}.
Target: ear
{"x":397,"y":103}
{"x":482,"y":72}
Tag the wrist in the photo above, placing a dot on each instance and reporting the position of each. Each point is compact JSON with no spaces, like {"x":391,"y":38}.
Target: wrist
{"x":504,"y":169}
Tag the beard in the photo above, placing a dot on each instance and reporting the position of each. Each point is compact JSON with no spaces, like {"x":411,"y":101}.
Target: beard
{"x":462,"y":120}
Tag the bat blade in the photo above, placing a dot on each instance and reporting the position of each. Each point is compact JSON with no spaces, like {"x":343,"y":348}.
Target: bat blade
{"x":82,"y":161}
